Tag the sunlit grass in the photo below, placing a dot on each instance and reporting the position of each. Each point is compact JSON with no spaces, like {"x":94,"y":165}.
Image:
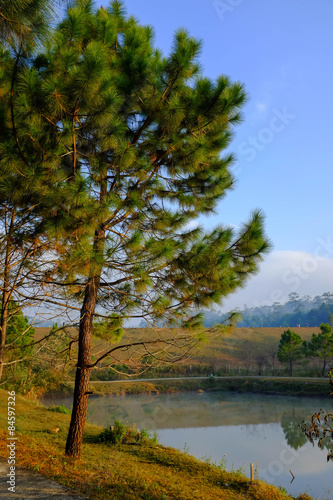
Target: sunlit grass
{"x":229,"y":351}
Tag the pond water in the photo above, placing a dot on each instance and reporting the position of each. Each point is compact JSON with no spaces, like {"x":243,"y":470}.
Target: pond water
{"x":236,"y":429}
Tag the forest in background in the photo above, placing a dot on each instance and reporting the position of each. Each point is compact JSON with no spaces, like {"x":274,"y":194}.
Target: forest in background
{"x":297,"y":311}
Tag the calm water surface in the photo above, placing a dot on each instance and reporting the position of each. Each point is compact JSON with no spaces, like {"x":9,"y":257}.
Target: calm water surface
{"x":234,"y":428}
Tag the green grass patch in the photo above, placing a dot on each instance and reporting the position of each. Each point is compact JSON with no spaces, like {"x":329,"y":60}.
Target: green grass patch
{"x":59,"y":409}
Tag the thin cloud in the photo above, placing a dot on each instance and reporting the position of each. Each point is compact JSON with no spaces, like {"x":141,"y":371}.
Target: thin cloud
{"x":280,"y":274}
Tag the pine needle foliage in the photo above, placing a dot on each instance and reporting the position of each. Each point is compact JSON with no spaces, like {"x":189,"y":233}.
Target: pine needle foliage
{"x":26,"y":23}
{"x":20,"y":335}
{"x":321,"y":346}
{"x":291,"y":349}
{"x":139,"y":138}
{"x":131,"y":147}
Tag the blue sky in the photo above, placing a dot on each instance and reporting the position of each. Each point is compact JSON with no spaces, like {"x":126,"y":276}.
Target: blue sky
{"x":282,"y":51}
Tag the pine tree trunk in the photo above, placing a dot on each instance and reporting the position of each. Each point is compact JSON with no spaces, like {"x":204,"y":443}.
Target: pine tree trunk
{"x":80,"y":402}
{"x":324,"y":368}
{"x":82,"y":377}
{"x":6,"y":294}
{"x":3,"y":330}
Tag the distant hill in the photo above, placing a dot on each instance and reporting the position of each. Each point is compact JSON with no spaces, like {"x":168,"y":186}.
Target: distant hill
{"x":298,"y":311}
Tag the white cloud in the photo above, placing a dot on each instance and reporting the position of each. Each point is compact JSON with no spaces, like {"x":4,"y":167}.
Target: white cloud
{"x":261,"y":107}
{"x":280,"y":274}
{"x":266,"y":99}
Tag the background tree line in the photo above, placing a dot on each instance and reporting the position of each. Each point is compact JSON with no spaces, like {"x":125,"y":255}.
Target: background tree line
{"x":293,"y":349}
{"x":297,"y":311}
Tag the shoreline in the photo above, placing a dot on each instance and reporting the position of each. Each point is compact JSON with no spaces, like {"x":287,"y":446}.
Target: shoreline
{"x":289,"y":386}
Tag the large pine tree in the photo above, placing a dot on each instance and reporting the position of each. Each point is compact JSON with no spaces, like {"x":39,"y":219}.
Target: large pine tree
{"x":25,"y":23}
{"x":133,"y":142}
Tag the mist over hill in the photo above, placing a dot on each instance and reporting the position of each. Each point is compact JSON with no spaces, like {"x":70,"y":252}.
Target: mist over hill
{"x":297,"y":311}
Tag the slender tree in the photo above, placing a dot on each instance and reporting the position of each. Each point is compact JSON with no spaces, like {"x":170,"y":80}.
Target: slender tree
{"x":321,"y":345}
{"x":23,"y":24}
{"x":133,"y":141}
{"x":22,"y":244}
{"x":290,"y":349}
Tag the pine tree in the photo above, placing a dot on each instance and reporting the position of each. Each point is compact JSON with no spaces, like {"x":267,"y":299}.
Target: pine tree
{"x":23,"y":185}
{"x":133,"y":141}
{"x":321,"y":345}
{"x":25,"y":23}
{"x":291,"y":349}
{"x":23,"y":242}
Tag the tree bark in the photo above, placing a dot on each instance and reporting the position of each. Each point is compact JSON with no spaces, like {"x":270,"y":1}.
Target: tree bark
{"x":324,"y":368}
{"x":290,"y":368}
{"x":6,"y":293}
{"x":3,"y":328}
{"x":82,"y":377}
{"x":80,"y":402}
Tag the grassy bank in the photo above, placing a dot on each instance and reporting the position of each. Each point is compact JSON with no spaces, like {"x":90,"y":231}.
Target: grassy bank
{"x":120,"y":472}
{"x":295,"y":386}
{"x":274,"y":386}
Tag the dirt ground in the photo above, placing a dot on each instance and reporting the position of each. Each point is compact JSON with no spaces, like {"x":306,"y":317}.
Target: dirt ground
{"x":30,"y":485}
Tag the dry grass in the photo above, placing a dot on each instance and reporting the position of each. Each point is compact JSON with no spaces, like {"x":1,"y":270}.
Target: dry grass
{"x":232,"y":349}
{"x":123,"y":472}
{"x":239,"y":342}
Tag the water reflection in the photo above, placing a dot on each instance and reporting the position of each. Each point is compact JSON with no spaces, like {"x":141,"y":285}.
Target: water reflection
{"x":245,"y":427}
{"x":290,"y":423}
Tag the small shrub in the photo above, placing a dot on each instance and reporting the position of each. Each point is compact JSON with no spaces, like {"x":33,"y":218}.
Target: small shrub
{"x":147,"y":438}
{"x":113,"y":434}
{"x":223,"y":463}
{"x":125,"y":434}
{"x":283,"y":490}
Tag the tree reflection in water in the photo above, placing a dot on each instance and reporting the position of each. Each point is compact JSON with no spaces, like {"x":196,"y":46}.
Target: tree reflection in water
{"x":293,"y":434}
